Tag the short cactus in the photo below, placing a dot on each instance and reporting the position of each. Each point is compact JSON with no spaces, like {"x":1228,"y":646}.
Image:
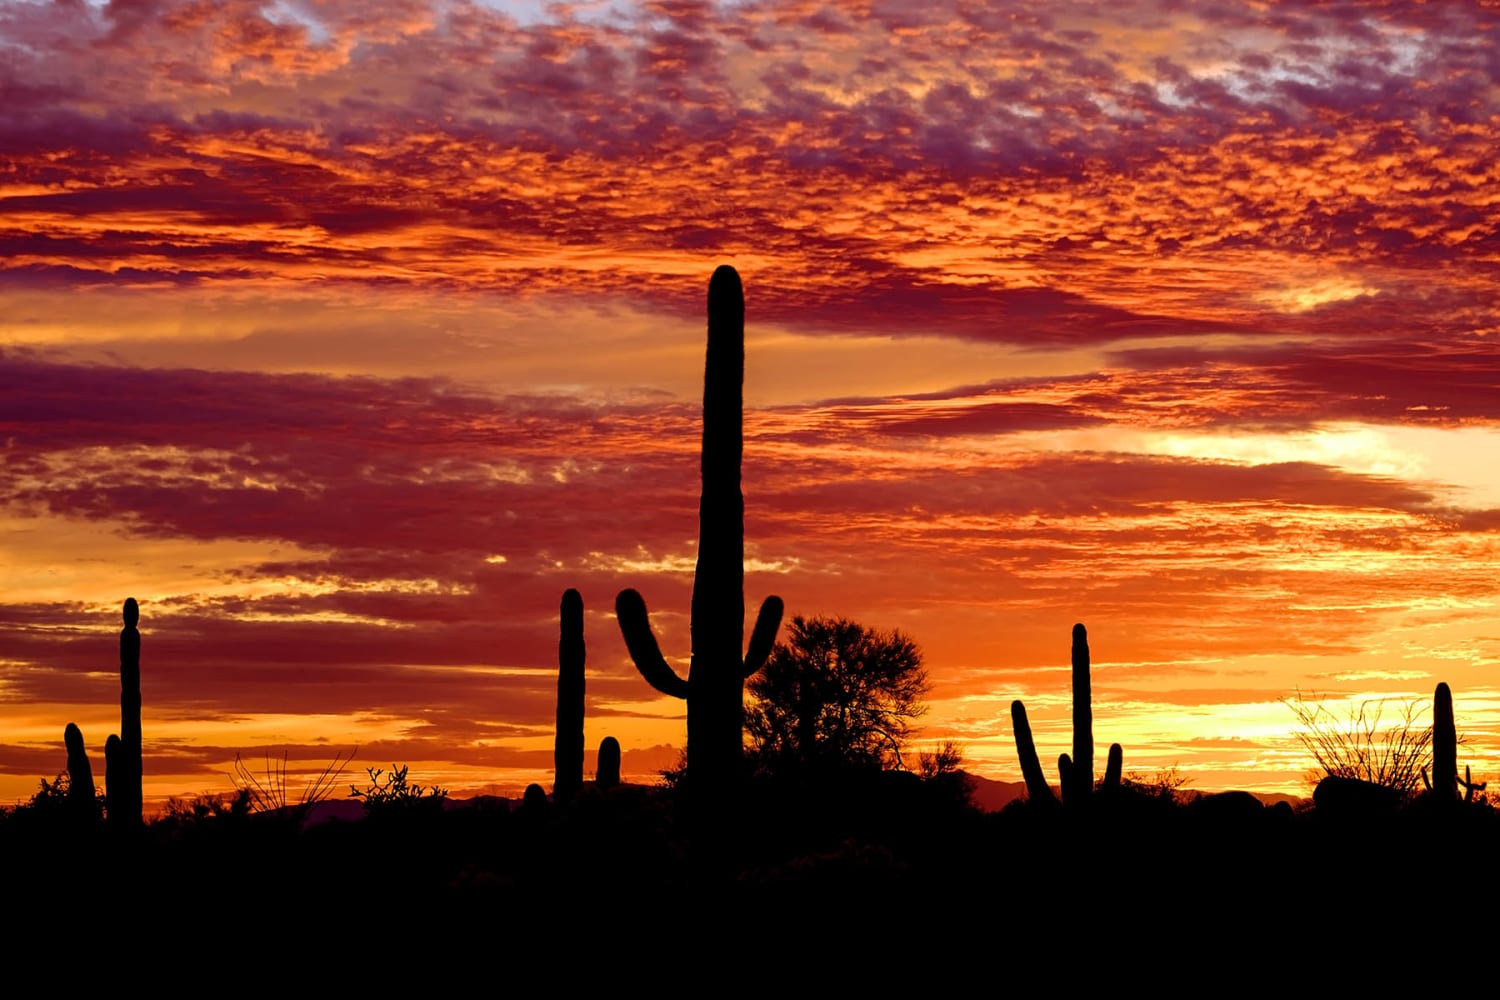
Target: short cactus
{"x":80,"y":771}
{"x":534,"y":799}
{"x":1076,"y":773}
{"x":715,"y":685}
{"x":607,"y":775}
{"x":1445,"y":780}
{"x":567,"y":749}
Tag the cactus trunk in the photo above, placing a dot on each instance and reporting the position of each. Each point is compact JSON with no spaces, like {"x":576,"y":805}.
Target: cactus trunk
{"x":567,"y":747}
{"x":123,"y":767}
{"x":1078,"y":777}
{"x":1444,"y":746}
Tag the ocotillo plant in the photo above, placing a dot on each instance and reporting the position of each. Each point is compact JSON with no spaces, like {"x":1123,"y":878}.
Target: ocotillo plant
{"x":80,"y":771}
{"x":1076,"y":773}
{"x":567,"y":747}
{"x":715,"y":685}
{"x":123,"y":771}
{"x":607,"y":775}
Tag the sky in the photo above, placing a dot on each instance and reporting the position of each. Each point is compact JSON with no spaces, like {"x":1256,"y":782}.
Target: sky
{"x":346,"y":336}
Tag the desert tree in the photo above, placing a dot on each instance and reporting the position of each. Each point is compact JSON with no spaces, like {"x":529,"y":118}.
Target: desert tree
{"x":835,"y":695}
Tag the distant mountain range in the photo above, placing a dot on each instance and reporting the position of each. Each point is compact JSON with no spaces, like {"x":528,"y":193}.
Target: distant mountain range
{"x":992,"y":796}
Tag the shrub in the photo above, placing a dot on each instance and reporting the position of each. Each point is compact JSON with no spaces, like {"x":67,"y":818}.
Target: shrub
{"x":395,"y":791}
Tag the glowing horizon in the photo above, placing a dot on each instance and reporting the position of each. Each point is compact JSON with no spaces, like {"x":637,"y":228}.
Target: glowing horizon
{"x":345,"y":337}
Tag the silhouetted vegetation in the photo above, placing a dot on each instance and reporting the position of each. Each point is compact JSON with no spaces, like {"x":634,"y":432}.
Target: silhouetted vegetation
{"x":1364,"y":746}
{"x":835,"y":696}
{"x":123,"y":767}
{"x":267,"y":792}
{"x":865,"y":845}
{"x":567,"y":747}
{"x":715,"y":685}
{"x":607,"y":774}
{"x":1076,"y":773}
{"x":389,"y":792}
{"x":81,"y":795}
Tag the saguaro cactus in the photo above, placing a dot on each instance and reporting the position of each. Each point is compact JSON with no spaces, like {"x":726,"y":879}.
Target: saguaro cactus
{"x":1076,"y":773}
{"x":1076,"y":776}
{"x":1444,"y":746}
{"x":607,"y":775}
{"x":123,"y":771}
{"x":80,"y":771}
{"x":567,"y":748}
{"x":715,"y":685}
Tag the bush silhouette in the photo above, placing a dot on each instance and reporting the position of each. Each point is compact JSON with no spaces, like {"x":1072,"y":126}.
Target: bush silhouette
{"x":835,"y":695}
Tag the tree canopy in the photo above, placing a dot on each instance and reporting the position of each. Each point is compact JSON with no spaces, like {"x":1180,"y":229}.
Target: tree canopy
{"x":835,"y":695}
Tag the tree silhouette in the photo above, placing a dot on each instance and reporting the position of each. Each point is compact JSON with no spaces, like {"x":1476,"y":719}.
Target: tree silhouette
{"x":835,"y":695}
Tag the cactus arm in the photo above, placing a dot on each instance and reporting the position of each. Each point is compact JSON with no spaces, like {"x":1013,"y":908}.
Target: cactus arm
{"x":1037,"y":789}
{"x":635,"y":626}
{"x":764,"y":637}
{"x":1113,"y":767}
{"x":1067,"y":780}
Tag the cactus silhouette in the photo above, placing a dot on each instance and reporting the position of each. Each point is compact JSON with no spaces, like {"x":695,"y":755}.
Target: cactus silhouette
{"x":567,"y":748}
{"x":715,"y":685}
{"x":1076,"y":773}
{"x":1037,"y":789}
{"x":123,"y":770}
{"x":80,"y":771}
{"x":608,"y":773}
{"x":534,"y":798}
{"x":114,"y":781}
{"x":1444,"y":746}
{"x":1445,"y":780}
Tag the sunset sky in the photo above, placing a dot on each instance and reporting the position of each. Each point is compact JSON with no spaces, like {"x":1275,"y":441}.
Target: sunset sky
{"x":346,"y":336}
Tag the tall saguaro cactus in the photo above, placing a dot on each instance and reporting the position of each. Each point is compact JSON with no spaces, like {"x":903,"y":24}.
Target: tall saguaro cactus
{"x":567,"y":747}
{"x":123,"y":771}
{"x":1076,"y":773}
{"x":715,"y":685}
